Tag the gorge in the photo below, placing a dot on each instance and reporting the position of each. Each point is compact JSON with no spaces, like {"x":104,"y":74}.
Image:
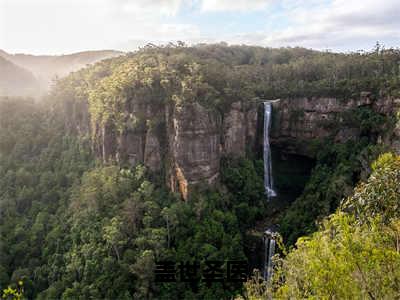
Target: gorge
{"x":172,"y":153}
{"x":191,"y":138}
{"x":160,"y":120}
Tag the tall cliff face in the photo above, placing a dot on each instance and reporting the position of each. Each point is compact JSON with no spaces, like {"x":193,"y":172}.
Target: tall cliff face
{"x":300,"y":121}
{"x":199,"y":137}
{"x":178,"y":110}
{"x":194,"y":143}
{"x":239,"y":133}
{"x":187,"y":140}
{"x":139,"y":139}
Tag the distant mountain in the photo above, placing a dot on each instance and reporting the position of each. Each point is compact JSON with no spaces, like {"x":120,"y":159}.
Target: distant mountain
{"x":48,"y":67}
{"x":16,"y":81}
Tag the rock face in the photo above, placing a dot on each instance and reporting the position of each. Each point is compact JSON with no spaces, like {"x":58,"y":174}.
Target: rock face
{"x":198,"y":137}
{"x":298,"y":122}
{"x":253,"y":131}
{"x":240,"y":129}
{"x":138,"y":141}
{"x":187,"y":140}
{"x":152,"y":151}
{"x":234,"y":134}
{"x":194,"y":144}
{"x":390,"y":106}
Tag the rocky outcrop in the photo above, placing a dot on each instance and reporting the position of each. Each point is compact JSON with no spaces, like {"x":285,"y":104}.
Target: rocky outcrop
{"x":136,"y":142}
{"x":239,"y":132}
{"x":234,"y":131}
{"x":130,"y":147}
{"x":194,"y":143}
{"x":187,"y":140}
{"x":199,"y":136}
{"x":252,"y":126}
{"x":152,"y":151}
{"x":390,"y":106}
{"x":395,"y":141}
{"x":299,"y":121}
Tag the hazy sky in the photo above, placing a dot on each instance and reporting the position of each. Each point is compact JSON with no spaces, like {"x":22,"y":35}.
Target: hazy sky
{"x":64,"y":26}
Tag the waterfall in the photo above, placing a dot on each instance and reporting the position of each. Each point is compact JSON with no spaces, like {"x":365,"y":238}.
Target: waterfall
{"x":269,"y":235}
{"x":269,"y":246}
{"x":268,"y":183}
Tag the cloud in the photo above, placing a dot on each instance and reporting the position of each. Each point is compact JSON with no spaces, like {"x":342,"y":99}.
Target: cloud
{"x":137,"y":23}
{"x":148,"y":7}
{"x":340,"y":25}
{"x":62,"y":26}
{"x":48,"y":26}
{"x":233,"y":5}
{"x":172,"y":7}
{"x":163,"y":34}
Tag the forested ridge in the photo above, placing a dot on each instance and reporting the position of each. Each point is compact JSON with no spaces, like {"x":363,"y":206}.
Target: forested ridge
{"x":217,"y":75}
{"x":75,"y":227}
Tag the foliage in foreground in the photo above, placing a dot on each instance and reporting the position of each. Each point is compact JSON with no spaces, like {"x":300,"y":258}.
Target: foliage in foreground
{"x":338,"y":169}
{"x":13,"y":293}
{"x":356,"y":252}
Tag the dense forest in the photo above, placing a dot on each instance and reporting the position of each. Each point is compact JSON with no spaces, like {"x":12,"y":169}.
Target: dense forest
{"x":76,"y":226}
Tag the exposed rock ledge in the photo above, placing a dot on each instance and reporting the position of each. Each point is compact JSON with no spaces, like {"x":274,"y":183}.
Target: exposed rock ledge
{"x":297,"y":122}
{"x":187,"y":141}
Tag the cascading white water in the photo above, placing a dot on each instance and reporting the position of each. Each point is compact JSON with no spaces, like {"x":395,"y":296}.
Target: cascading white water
{"x":269,"y":237}
{"x":269,"y":246}
{"x":268,"y":182}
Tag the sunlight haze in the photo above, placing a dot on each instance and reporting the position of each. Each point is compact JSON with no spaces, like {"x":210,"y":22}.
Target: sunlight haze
{"x":66,"y":26}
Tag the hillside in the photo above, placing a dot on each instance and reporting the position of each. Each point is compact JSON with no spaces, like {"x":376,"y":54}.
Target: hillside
{"x":46,"y":67}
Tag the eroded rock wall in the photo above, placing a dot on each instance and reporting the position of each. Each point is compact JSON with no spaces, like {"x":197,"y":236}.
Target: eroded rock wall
{"x":187,"y":140}
{"x":239,"y":132}
{"x":194,"y":143}
{"x":195,"y":139}
{"x":297,"y":122}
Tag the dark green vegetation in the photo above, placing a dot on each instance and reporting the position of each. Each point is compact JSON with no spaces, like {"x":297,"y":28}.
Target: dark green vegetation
{"x":291,"y":173}
{"x":217,"y":75}
{"x":338,"y":168}
{"x":355,"y":252}
{"x":75,"y":228}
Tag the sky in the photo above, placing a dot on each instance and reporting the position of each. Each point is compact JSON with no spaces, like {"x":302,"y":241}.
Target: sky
{"x":66,"y":26}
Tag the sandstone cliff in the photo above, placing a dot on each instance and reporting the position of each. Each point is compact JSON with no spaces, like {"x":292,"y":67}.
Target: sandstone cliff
{"x":300,"y":121}
{"x":187,"y":140}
